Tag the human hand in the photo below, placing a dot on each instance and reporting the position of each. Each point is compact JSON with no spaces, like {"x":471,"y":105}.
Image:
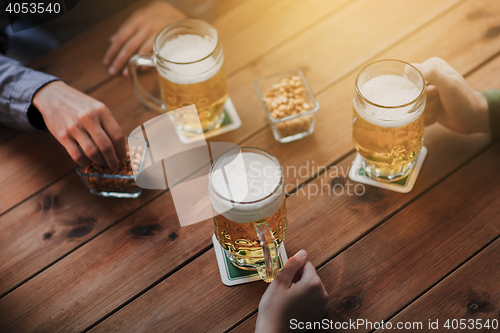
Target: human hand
{"x":77,"y":120}
{"x":451,"y":101}
{"x":295,"y":293}
{"x":138,"y":33}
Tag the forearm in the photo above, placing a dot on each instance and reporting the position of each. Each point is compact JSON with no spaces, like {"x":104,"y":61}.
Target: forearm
{"x":493,"y":98}
{"x":18,"y":85}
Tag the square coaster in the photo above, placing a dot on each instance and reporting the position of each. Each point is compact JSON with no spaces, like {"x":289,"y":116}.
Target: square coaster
{"x":231,"y":275}
{"x":231,"y":122}
{"x":405,"y":185}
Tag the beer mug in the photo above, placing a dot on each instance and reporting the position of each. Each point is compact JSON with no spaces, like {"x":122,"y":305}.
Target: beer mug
{"x":247,"y":191}
{"x":388,"y":124}
{"x":189,"y":60}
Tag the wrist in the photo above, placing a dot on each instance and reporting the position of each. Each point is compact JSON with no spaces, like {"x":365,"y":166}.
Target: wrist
{"x":44,"y":94}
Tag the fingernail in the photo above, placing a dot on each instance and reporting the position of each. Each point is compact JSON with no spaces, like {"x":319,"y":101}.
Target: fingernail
{"x":302,"y":253}
{"x":112,"y":71}
{"x":105,"y":62}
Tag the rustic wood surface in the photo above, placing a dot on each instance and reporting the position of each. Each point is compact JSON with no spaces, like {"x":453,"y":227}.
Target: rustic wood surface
{"x":75,"y":262}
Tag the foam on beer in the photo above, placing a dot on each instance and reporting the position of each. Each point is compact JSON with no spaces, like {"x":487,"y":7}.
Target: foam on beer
{"x":185,"y":49}
{"x":250,"y":177}
{"x":389,"y":90}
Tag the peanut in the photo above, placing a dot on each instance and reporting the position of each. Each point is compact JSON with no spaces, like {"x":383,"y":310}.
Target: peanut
{"x":127,"y":167}
{"x":287,"y":98}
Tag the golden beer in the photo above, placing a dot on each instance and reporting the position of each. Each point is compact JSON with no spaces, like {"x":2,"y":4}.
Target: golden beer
{"x":248,"y":199}
{"x":195,"y":75}
{"x":241,"y":240}
{"x":189,"y":59}
{"x":208,"y":96}
{"x":388,"y":113}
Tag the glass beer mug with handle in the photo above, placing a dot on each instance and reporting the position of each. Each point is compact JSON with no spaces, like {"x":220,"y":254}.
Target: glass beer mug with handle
{"x":189,"y":60}
{"x":388,"y":124}
{"x":247,"y":191}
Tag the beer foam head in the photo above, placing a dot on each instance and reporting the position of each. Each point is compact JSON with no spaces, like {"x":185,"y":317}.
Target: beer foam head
{"x":187,"y":52}
{"x":389,"y":91}
{"x":251,"y":181}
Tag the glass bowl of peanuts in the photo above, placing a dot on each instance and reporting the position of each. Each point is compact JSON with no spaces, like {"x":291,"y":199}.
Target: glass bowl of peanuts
{"x":289,"y":103}
{"x":120,"y":183}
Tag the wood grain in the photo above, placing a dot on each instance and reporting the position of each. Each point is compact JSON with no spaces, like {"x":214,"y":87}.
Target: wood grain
{"x":470,"y":293}
{"x":405,"y":256}
{"x":380,"y":273}
{"x":148,"y":246}
{"x":53,"y":223}
{"x":267,"y":24}
{"x":321,"y":154}
{"x":118,"y":98}
{"x":332,"y":137}
{"x":79,"y":63}
{"x":323,"y":224}
{"x":188,"y":304}
{"x":330,"y":50}
{"x":105,"y":271}
{"x":33,"y":161}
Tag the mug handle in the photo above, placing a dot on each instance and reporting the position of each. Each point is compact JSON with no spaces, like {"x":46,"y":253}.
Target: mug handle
{"x":143,"y":60}
{"x":271,"y":268}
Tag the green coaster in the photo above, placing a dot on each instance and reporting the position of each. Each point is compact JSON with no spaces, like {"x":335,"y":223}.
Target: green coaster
{"x":405,"y":185}
{"x":231,"y":275}
{"x":231,"y":122}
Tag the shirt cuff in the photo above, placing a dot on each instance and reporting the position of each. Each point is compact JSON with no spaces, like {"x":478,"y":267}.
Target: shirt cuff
{"x":493,"y":98}
{"x":21,"y":99}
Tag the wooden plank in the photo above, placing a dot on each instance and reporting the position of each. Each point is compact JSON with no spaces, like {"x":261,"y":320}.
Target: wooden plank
{"x":185,"y":300}
{"x":79,"y":61}
{"x":246,"y":109}
{"x":140,"y":242}
{"x":330,"y":50}
{"x":117,"y":94}
{"x":32,"y":161}
{"x":475,"y":24}
{"x":458,"y":37}
{"x":380,"y":264}
{"x":207,"y":243}
{"x":469,"y":293}
{"x":405,"y":256}
{"x":132,"y":263}
{"x":114,"y":91}
{"x":32,"y":181}
{"x":267,"y":24}
{"x":53,"y":223}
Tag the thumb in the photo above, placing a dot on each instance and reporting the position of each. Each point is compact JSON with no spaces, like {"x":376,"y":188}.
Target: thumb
{"x":292,"y":266}
{"x":437,"y":72}
{"x":310,"y":277}
{"x":417,"y":66}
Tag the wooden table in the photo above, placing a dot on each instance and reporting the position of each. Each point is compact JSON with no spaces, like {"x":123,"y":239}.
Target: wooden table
{"x":71,"y":261}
